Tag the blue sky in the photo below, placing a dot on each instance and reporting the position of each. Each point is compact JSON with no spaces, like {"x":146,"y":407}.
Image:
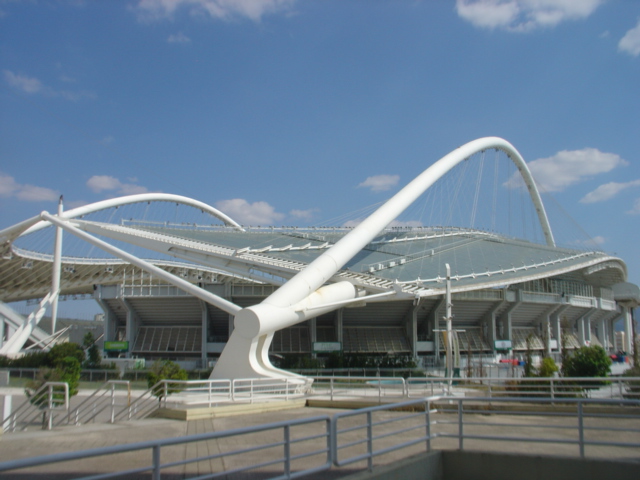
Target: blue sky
{"x":295,"y":112}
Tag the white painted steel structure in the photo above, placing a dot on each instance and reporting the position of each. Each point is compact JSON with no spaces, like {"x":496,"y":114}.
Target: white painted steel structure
{"x":306,"y":289}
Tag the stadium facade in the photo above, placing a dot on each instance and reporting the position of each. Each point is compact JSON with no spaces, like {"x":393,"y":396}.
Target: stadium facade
{"x":234,"y":295}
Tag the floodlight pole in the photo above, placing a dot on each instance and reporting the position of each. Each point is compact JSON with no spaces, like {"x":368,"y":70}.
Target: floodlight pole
{"x":448,"y":319}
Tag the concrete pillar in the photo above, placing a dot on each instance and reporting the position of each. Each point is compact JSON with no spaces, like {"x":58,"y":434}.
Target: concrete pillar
{"x":131,"y":326}
{"x":313,"y":334}
{"x":603,"y":334}
{"x":491,"y":322}
{"x":556,"y":326}
{"x":109,"y":320}
{"x":413,"y":330}
{"x":434,"y":320}
{"x":628,"y":330}
{"x":582,"y":338}
{"x":205,"y":333}
{"x":547,"y":330}
{"x":339,"y":326}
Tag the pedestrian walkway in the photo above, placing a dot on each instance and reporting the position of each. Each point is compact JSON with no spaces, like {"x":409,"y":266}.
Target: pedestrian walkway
{"x":35,"y":442}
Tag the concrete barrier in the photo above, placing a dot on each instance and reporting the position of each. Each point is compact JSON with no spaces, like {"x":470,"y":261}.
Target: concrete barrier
{"x":467,"y":465}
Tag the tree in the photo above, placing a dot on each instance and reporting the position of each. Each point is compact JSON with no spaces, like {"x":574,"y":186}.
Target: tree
{"x":529,"y":369}
{"x":590,"y":361}
{"x":165,"y":370}
{"x":92,"y":351}
{"x":61,"y":351}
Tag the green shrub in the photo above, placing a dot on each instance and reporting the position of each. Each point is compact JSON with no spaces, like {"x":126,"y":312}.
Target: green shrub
{"x":67,"y":370}
{"x":590,"y":361}
{"x":166,"y":370}
{"x":547,"y":368}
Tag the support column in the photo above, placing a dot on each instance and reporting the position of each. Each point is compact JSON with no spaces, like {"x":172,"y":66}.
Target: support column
{"x":339,"y":326}
{"x":2,"y":331}
{"x":556,"y":326}
{"x":505,"y":318}
{"x":131,"y":326}
{"x":433,"y":319}
{"x":205,"y":334}
{"x":413,"y":330}
{"x":109,"y":319}
{"x":491,"y":321}
{"x":313,"y":333}
{"x":584,"y":328}
{"x":628,"y":330}
{"x":547,"y":331}
{"x":546,"y":327}
{"x":603,"y":334}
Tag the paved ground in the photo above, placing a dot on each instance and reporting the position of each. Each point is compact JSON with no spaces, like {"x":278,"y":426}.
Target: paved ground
{"x":35,"y":442}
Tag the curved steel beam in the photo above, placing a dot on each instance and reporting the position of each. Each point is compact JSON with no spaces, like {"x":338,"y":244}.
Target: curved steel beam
{"x":139,"y":198}
{"x":255,"y":325}
{"x":326,"y":265}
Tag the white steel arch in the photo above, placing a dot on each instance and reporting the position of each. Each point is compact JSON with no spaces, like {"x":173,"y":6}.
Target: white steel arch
{"x":141,"y":198}
{"x":255,"y":325}
{"x":36,"y":223}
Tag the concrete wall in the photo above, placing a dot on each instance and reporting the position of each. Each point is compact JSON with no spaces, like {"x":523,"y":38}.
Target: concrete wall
{"x":465,"y":465}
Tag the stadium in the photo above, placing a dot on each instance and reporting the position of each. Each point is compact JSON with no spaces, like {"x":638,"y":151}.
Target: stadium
{"x":201,"y":288}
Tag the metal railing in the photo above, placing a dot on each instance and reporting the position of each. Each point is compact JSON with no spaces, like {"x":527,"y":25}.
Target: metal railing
{"x":360,"y":436}
{"x":312,"y":445}
{"x":294,"y":462}
{"x":211,"y":392}
{"x":41,"y":407}
{"x":384,"y":388}
{"x":105,"y":400}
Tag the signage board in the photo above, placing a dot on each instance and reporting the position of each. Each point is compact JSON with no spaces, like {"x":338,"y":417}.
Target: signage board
{"x":116,"y":346}
{"x":327,"y":346}
{"x":503,"y":344}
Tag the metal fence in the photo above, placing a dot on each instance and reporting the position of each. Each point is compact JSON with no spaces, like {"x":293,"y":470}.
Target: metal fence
{"x":299,"y":448}
{"x":385,"y":388}
{"x":361,"y":436}
{"x":41,"y":407}
{"x":299,"y":455}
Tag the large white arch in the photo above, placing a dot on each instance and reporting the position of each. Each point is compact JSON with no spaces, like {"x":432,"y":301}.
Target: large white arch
{"x":36,"y":223}
{"x":255,"y":325}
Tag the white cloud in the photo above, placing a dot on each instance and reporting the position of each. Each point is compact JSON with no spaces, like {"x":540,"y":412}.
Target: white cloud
{"x":102,"y":183}
{"x":28,"y":193}
{"x":178,"y":38}
{"x":8,"y":186}
{"x":380,"y":183}
{"x":33,"y":86}
{"x":524,"y":15}
{"x":245,"y":213}
{"x":607,"y":191}
{"x":635,"y":210}
{"x":304,"y":214}
{"x":594,"y":242}
{"x":152,"y":10}
{"x":22,"y":82}
{"x":568,"y":167}
{"x":630,"y":43}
